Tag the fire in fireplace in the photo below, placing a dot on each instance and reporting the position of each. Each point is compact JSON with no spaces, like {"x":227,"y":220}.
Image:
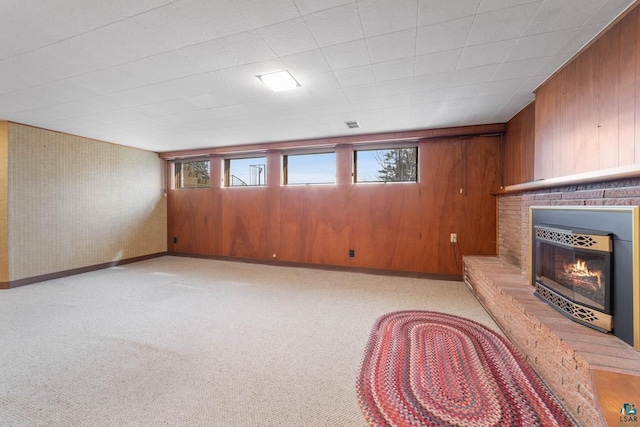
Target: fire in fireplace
{"x":572,"y":272}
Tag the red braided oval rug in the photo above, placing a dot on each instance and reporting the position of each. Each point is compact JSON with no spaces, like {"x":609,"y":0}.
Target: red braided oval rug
{"x":424,"y":368}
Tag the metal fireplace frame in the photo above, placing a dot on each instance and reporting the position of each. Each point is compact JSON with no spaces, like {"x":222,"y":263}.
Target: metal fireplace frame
{"x":623,"y":222}
{"x":576,"y":241}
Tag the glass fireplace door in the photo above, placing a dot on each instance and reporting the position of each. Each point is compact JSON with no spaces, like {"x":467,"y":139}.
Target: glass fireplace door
{"x":580,"y":275}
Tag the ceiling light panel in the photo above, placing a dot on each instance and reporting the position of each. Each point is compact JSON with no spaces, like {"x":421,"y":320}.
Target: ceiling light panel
{"x":282,"y":80}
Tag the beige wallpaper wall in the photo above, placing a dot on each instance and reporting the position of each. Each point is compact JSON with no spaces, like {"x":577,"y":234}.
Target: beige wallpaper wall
{"x":77,"y":202}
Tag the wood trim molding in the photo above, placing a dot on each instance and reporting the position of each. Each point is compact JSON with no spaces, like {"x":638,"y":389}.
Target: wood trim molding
{"x":623,"y":172}
{"x":4,"y":202}
{"x":59,"y":274}
{"x":490,"y":129}
{"x":378,"y":271}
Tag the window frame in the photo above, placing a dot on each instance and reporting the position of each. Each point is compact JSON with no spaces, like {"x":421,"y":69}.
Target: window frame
{"x":226,"y":170}
{"x":178,"y":173}
{"x":386,"y":146}
{"x":285,"y":165}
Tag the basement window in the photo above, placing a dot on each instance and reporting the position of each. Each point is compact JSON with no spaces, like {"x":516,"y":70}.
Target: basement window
{"x":192,"y":174}
{"x":396,"y":164}
{"x":309,"y":168}
{"x":245,"y":172}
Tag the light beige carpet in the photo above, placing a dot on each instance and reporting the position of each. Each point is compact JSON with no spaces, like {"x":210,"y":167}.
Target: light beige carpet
{"x":193,"y":342}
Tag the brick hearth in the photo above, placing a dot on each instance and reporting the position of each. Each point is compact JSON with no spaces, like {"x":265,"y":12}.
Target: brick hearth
{"x":571,"y":359}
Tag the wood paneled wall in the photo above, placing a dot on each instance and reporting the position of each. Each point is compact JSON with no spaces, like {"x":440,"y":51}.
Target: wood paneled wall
{"x":394,"y":226}
{"x":587,"y":117}
{"x":519,"y":144}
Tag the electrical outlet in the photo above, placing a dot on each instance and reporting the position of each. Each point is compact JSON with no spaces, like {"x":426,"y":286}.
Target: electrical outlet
{"x":454,"y":238}
{"x":352,"y":253}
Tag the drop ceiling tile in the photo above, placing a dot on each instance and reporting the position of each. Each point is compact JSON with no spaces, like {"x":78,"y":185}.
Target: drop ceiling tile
{"x":532,"y":83}
{"x":321,"y":82}
{"x":539,"y":45}
{"x":512,"y":70}
{"x":355,"y":76}
{"x":473,"y":75}
{"x":435,"y":11}
{"x":458,"y":102}
{"x":561,"y":15}
{"x":580,"y":38}
{"x":492,"y":100}
{"x":222,"y":99}
{"x":466,"y":91}
{"x":120,"y":116}
{"x":329,"y":96}
{"x":144,"y":95}
{"x":552,"y":64}
{"x":346,"y":55}
{"x":237,"y":77}
{"x":477,"y":116}
{"x":365,"y":104}
{"x":395,"y":87}
{"x":491,"y":5}
{"x":487,"y":53}
{"x":73,"y":17}
{"x":137,"y":78}
{"x":214,"y":19}
{"x":310,"y":6}
{"x":309,"y":62}
{"x":130,"y":8}
{"x":46,"y":96}
{"x":392,"y":46}
{"x":65,"y":59}
{"x":119,"y":42}
{"x":22,"y":29}
{"x":449,"y":117}
{"x":396,"y":100}
{"x":426,"y":108}
{"x":338,"y":25}
{"x":184,"y":87}
{"x":393,"y":70}
{"x":428,"y":96}
{"x":361,"y":92}
{"x":170,"y":25}
{"x":432,"y":81}
{"x":504,"y":86}
{"x":262,"y":67}
{"x":199,"y":58}
{"x":15,"y":102}
{"x":164,"y":108}
{"x":501,"y":24}
{"x":382,"y":16}
{"x":439,"y":62}
{"x":289,"y":37}
{"x":247,"y":47}
{"x":443,"y":36}
{"x":23,"y":72}
{"x":128,"y":76}
{"x":610,"y":11}
{"x":260,"y":13}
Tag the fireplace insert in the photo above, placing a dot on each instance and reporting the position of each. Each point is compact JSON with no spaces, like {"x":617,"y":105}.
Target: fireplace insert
{"x":572,"y":272}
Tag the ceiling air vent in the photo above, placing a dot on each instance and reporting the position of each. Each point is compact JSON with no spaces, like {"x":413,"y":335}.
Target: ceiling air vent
{"x":353,"y":124}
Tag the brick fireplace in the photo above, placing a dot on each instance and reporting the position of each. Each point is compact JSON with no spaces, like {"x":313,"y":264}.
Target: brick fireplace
{"x":578,"y":363}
